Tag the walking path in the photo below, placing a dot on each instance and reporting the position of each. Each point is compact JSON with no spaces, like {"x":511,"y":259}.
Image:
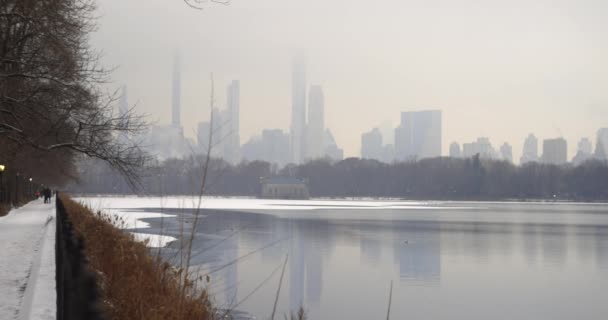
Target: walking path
{"x":27,"y":262}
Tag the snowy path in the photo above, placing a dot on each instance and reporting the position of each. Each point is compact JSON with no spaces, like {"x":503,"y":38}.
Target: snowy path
{"x":27,"y":262}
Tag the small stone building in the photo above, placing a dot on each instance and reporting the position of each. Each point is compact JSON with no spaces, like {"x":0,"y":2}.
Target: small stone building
{"x":284,"y":188}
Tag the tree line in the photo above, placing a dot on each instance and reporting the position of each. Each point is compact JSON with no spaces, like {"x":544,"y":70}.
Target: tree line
{"x":439,"y":178}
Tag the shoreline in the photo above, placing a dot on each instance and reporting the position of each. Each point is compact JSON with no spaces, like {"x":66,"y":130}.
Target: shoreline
{"x":373,"y":199}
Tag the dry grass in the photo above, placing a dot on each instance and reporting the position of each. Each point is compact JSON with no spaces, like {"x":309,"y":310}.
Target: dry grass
{"x":133,"y":283}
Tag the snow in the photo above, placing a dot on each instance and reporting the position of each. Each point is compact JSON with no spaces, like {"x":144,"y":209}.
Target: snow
{"x":132,"y":219}
{"x":129,"y":211}
{"x":154,"y":240}
{"x":27,"y":262}
{"x":250,"y":204}
{"x":129,"y":219}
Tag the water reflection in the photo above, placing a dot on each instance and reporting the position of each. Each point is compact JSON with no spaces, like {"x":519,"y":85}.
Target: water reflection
{"x":421,"y":252}
{"x":417,"y":249}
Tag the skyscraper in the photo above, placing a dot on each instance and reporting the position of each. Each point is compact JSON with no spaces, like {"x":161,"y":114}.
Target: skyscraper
{"x":482,"y":146}
{"x":298,"y":109}
{"x":176,"y":93}
{"x":530,"y":152}
{"x":202,"y":135}
{"x":332,"y":151}
{"x":388,"y":153}
{"x":271,"y":146}
{"x":316,"y":122}
{"x":555,"y":151}
{"x":419,"y":135}
{"x":506,"y":152}
{"x":211,"y":135}
{"x":601,"y":148}
{"x":455,"y":150}
{"x":233,"y":144}
{"x":371,"y":145}
{"x":583,"y":152}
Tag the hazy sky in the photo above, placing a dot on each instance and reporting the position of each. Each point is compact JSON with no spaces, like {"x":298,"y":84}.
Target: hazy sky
{"x":500,"y":69}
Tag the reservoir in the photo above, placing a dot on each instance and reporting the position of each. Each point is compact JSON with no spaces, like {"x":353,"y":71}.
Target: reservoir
{"x":445,"y":260}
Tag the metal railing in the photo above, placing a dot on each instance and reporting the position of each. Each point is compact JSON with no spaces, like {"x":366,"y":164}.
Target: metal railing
{"x":77,"y":293}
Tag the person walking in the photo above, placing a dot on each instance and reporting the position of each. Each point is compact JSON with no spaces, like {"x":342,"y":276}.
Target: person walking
{"x":47,"y":195}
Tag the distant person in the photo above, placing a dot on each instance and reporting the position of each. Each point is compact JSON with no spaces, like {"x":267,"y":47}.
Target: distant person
{"x":47,"y":195}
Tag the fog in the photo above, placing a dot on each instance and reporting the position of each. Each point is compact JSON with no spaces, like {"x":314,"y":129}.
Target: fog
{"x":500,"y":69}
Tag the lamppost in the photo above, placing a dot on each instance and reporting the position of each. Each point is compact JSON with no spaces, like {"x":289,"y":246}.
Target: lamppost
{"x":2,"y":167}
{"x":30,"y":195}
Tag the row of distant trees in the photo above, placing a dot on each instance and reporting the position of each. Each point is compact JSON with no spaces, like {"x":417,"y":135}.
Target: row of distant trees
{"x":434,"y":178}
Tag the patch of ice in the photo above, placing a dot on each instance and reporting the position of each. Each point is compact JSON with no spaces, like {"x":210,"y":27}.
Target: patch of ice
{"x":153,"y":240}
{"x":255,"y":204}
{"x":127,"y":219}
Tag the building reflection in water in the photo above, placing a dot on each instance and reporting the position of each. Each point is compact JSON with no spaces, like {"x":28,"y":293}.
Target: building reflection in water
{"x":309,"y":241}
{"x":370,"y":243}
{"x":417,"y":250}
{"x":601,"y":246}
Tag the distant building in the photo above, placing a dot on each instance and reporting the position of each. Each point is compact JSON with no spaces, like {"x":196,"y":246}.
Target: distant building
{"x":275,"y":145}
{"x":332,"y":151}
{"x":316,"y":123}
{"x":167,"y":141}
{"x":506,"y":152}
{"x":455,"y":150}
{"x":530,"y":151}
{"x":232,"y":136}
{"x":584,"y":146}
{"x":203,"y":132}
{"x":206,"y":130}
{"x":371,"y":145}
{"x":223,"y":128}
{"x":176,"y":93}
{"x":555,"y":151}
{"x":298,"y":110}
{"x":419,"y":135}
{"x":481,"y":146}
{"x":601,"y":147}
{"x":123,"y":102}
{"x":272,"y":146}
{"x":583,"y":152}
{"x":388,"y":153}
{"x":284,"y":188}
{"x":164,"y":142}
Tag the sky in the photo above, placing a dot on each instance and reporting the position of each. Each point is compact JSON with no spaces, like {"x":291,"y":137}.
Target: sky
{"x":498,"y":69}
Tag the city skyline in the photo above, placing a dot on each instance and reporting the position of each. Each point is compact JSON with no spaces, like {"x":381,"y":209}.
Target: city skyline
{"x":419,"y":134}
{"x":175,"y":112}
{"x":530,"y":68}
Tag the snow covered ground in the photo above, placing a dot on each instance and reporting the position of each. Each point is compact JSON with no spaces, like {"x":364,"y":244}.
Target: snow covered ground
{"x":27,"y":262}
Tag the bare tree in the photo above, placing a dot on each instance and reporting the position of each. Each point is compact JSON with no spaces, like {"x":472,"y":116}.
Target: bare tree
{"x":50,"y":96}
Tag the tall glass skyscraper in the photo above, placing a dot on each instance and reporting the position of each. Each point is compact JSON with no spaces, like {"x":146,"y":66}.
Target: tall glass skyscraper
{"x":298,"y":109}
{"x":176,"y":93}
{"x":316,"y":123}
